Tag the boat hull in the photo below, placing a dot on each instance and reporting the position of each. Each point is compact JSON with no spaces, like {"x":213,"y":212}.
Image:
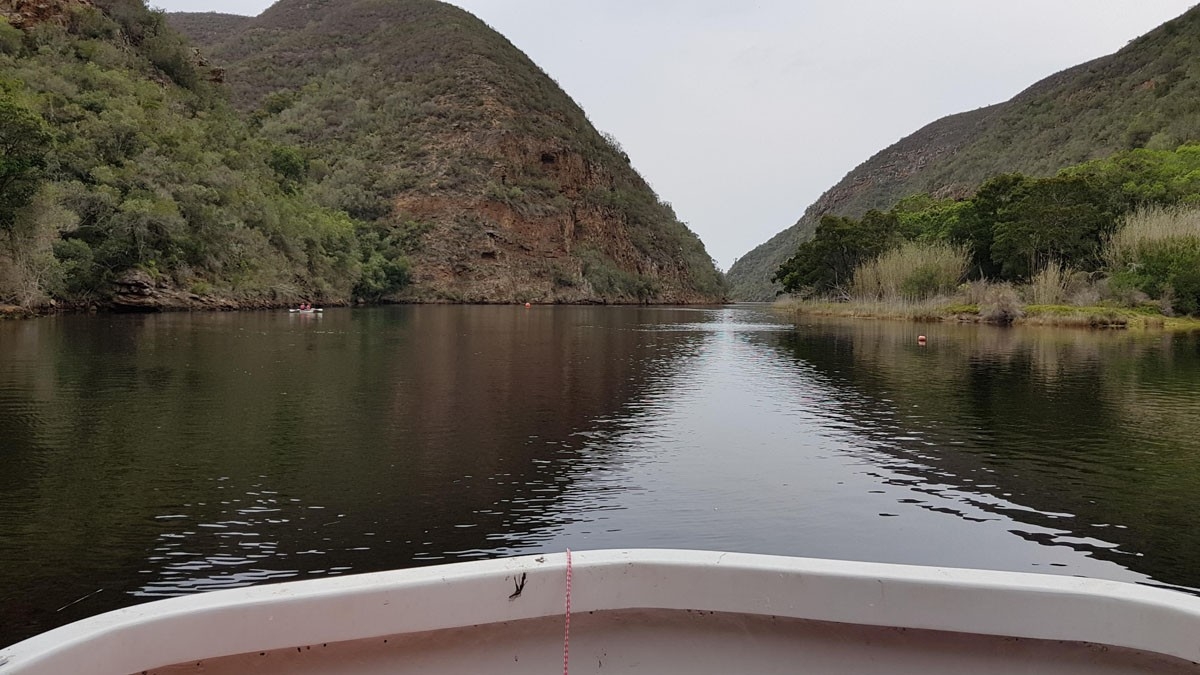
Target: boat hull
{"x":643,"y":611}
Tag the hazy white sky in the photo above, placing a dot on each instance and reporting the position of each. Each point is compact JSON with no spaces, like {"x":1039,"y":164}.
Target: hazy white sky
{"x":742,"y":113}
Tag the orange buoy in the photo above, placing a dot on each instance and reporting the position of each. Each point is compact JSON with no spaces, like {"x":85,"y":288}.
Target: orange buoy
{"x":921,"y":339}
{"x":527,"y":305}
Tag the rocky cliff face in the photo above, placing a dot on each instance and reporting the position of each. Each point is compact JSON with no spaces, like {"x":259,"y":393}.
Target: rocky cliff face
{"x":483,"y":249}
{"x":415,"y":114}
{"x":28,"y":13}
{"x":1144,"y":95}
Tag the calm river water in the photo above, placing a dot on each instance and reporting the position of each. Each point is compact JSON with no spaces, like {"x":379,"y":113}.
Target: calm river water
{"x":150,"y":456}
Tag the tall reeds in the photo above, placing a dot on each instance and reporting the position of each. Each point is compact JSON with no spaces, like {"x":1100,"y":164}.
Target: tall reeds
{"x":914,"y":271}
{"x":1050,"y":286}
{"x":1157,"y":252}
{"x":1151,"y":230}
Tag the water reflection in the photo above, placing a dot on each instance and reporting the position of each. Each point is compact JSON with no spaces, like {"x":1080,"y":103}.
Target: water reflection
{"x":1082,"y":439}
{"x":750,"y":446}
{"x":160,"y":455}
{"x":155,"y":456}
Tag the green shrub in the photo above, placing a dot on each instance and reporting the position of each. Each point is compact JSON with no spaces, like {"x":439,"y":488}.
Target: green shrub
{"x":11,"y":37}
{"x":610,"y":281}
{"x":381,"y":277}
{"x":840,"y":245}
{"x":1185,"y":288}
{"x":289,"y":164}
{"x":26,"y":141}
{"x":80,"y":274}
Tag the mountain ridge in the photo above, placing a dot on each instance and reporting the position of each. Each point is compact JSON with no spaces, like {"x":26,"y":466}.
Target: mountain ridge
{"x":359,"y":151}
{"x":1142,"y":95}
{"x":207,"y":28}
{"x":518,"y":196}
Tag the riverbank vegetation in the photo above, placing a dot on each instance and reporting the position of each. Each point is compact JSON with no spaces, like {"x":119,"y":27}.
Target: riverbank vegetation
{"x":122,"y":156}
{"x":1111,"y":243}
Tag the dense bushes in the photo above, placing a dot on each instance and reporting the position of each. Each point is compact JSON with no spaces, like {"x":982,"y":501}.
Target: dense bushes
{"x":828,"y":261}
{"x":118,"y":155}
{"x":1032,"y":222}
{"x":1039,"y":232}
{"x":24,"y":144}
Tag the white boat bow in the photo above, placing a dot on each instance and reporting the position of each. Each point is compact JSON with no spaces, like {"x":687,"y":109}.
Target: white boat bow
{"x":652,"y":611}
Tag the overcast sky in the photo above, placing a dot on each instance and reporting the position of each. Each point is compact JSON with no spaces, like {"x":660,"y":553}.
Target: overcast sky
{"x":742,"y":113}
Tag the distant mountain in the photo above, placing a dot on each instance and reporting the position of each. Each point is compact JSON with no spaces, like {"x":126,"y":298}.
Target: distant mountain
{"x":416,"y":115}
{"x":207,"y":28}
{"x":1145,"y":95}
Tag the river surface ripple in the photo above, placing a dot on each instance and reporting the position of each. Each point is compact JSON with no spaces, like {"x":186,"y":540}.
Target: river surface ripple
{"x":152,"y":456}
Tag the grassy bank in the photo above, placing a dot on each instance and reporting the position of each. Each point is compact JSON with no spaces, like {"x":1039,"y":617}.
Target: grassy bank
{"x":1150,"y":279}
{"x":952,"y":310}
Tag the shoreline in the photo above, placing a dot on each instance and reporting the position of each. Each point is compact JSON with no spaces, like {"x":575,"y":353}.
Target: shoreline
{"x":212,"y":305}
{"x":1066,"y":316}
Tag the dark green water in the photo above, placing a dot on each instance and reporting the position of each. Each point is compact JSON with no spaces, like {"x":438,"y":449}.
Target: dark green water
{"x":148,"y":456}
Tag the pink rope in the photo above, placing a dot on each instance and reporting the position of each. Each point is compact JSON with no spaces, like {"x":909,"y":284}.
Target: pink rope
{"x":567,"y":628}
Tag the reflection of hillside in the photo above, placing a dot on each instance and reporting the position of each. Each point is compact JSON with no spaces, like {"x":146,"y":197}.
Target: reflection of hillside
{"x":159,"y":454}
{"x":1095,"y":432}
{"x":483,"y":418}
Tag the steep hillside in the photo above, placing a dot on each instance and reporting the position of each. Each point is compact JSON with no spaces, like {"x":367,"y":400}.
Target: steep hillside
{"x":128,"y":180}
{"x":1146,"y":95}
{"x":207,"y":28}
{"x":416,"y":115}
